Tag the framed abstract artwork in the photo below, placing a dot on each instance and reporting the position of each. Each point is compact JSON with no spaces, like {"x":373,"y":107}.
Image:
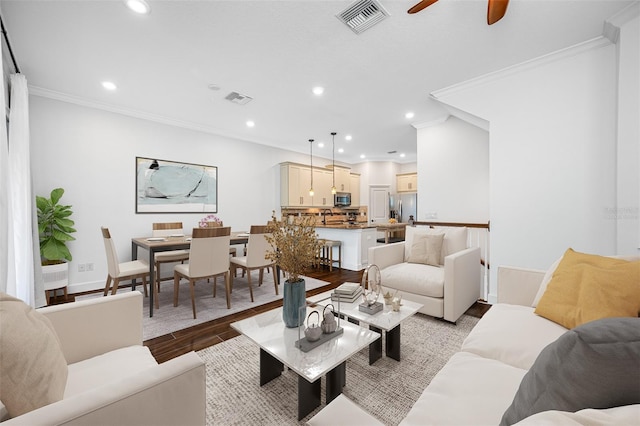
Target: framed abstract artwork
{"x":173,"y":187}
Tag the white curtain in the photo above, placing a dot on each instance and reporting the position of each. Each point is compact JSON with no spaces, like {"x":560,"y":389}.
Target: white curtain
{"x":24,"y":278}
{"x":4,"y":194}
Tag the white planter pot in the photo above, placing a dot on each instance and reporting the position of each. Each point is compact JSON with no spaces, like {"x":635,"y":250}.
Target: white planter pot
{"x":55,"y":276}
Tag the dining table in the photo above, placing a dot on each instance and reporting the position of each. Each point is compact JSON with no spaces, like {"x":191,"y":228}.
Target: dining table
{"x":172,"y":242}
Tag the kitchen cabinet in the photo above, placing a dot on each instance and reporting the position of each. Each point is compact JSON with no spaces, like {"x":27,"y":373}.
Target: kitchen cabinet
{"x":322,"y":182}
{"x":407,"y":182}
{"x":354,"y":184}
{"x":343,"y":179}
{"x":355,"y":244}
{"x":295,"y":181}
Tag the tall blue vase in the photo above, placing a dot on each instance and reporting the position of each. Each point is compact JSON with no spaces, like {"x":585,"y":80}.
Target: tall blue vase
{"x":293,"y":299}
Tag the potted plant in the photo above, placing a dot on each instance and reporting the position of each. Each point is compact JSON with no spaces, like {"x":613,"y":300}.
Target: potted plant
{"x":54,"y":228}
{"x":295,"y":247}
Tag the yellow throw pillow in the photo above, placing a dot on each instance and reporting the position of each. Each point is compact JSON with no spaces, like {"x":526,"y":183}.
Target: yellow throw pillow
{"x":33,"y":370}
{"x":588,"y":287}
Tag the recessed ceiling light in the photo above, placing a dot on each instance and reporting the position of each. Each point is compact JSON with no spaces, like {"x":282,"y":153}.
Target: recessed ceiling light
{"x":213,"y":87}
{"x":340,"y":150}
{"x":409,"y":115}
{"x":138,"y":6}
{"x":320,"y":145}
{"x":318,"y":90}
{"x":250,"y":123}
{"x":109,"y":85}
{"x":348,"y":137}
{"x":362,"y":156}
{"x":403,"y":155}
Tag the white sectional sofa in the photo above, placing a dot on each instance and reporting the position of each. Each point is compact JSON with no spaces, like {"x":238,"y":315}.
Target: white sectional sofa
{"x":446,"y":288}
{"x":112,"y":378}
{"x":478,"y":384}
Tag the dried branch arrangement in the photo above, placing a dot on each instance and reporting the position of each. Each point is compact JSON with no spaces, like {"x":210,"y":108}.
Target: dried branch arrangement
{"x":295,"y":245}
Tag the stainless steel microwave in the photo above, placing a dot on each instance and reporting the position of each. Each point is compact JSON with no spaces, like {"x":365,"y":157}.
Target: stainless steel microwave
{"x":342,"y":199}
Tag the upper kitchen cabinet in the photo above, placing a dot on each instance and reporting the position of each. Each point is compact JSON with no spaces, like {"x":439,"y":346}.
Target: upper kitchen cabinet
{"x":343,"y":179}
{"x":354,"y":179}
{"x":295,"y":181}
{"x":322,"y":182}
{"x":407,"y":182}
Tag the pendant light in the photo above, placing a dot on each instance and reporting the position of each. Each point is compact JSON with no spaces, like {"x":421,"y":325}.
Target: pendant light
{"x":311,"y":159}
{"x":333,"y":155}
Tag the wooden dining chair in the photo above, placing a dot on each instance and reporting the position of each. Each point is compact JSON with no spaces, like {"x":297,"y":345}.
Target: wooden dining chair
{"x":166,"y":229}
{"x":119,"y":271}
{"x":257,"y":247}
{"x":208,"y":258}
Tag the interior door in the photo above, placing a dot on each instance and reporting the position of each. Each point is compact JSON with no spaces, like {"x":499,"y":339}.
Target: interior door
{"x":378,"y":203}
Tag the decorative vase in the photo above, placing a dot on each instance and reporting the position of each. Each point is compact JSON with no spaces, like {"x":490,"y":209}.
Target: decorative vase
{"x":293,"y":299}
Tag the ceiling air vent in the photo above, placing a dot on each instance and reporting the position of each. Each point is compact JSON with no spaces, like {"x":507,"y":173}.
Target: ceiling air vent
{"x":362,"y":15}
{"x":238,"y":98}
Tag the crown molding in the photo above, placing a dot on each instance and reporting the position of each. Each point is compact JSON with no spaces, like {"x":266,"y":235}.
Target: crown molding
{"x":468,"y":117}
{"x":612,"y":25}
{"x":431,"y":123}
{"x":595,"y":43}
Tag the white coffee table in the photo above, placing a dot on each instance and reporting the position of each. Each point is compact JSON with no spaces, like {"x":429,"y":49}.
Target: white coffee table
{"x":277,"y":348}
{"x":386,"y":320}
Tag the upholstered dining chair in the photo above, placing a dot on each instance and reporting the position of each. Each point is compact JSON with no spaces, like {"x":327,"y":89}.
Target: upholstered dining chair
{"x":119,"y":271}
{"x":208,"y":258}
{"x":166,"y":229}
{"x":257,"y":247}
{"x":213,"y":224}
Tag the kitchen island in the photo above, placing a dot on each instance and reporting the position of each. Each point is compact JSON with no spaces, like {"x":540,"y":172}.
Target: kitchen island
{"x":356,"y":240}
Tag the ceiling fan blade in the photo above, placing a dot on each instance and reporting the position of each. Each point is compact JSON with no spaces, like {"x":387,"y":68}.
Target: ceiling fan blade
{"x":419,"y":6}
{"x":496,"y":10}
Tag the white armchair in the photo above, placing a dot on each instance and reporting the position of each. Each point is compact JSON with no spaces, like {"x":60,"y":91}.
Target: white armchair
{"x":446,"y":290}
{"x":112,"y":377}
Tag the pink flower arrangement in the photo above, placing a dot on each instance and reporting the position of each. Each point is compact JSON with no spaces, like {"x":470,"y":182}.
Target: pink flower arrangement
{"x":210,"y":218}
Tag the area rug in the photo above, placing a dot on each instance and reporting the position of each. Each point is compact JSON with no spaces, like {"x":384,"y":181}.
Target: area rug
{"x":387,"y":389}
{"x":168,"y":318}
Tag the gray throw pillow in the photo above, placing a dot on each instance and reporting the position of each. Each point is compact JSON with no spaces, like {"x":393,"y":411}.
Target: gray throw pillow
{"x":595,"y":365}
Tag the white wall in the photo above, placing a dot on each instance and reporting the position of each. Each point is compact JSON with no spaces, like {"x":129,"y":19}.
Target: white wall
{"x":91,"y":154}
{"x":453,"y":173}
{"x":627,"y":211}
{"x":552,"y":155}
{"x":376,"y":173}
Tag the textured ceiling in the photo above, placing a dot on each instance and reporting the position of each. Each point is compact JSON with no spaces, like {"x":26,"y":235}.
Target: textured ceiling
{"x":275,"y":52}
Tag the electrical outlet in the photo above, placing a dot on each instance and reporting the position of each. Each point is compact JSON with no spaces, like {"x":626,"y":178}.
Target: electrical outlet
{"x":82,"y":267}
{"x":89,"y":267}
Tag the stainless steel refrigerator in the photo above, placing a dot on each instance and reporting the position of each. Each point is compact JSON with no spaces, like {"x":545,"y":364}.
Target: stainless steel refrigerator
{"x":403,"y":205}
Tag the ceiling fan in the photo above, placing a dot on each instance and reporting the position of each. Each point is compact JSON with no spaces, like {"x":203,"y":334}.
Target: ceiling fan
{"x":495,"y":11}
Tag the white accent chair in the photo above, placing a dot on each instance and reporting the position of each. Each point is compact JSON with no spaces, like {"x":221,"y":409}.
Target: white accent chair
{"x":257,"y":247}
{"x":112,"y":377}
{"x":119,"y":271}
{"x":446,"y":290}
{"x":208,"y":258}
